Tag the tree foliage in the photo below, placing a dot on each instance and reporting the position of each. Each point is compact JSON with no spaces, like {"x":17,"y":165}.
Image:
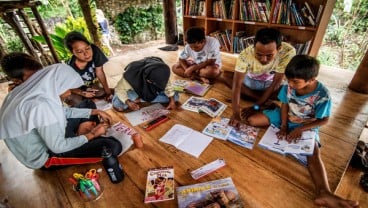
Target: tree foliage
{"x":345,"y":41}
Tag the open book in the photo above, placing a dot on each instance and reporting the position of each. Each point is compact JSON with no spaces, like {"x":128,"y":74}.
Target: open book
{"x":186,"y":139}
{"x":305,"y":145}
{"x":245,"y":136}
{"x":160,"y":184}
{"x":211,"y":106}
{"x":123,"y":134}
{"x":192,"y":87}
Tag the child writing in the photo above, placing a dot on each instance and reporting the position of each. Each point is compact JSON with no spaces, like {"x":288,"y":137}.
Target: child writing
{"x":201,"y":58}
{"x":145,"y":80}
{"x":305,"y":105}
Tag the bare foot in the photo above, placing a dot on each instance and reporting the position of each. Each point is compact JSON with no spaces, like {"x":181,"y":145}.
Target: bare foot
{"x":204,"y":80}
{"x":330,"y":200}
{"x":137,"y":140}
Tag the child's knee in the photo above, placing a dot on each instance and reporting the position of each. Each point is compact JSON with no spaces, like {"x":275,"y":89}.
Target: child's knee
{"x":118,"y":105}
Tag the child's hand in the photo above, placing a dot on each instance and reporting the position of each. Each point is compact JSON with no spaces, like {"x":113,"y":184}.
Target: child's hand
{"x":282,"y":134}
{"x":235,"y":120}
{"x":132,"y":105}
{"x":246,"y":112}
{"x":88,"y":94}
{"x":99,"y":130}
{"x":294,"y":135}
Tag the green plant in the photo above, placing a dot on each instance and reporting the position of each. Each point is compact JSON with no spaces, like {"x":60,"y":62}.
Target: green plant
{"x":134,"y":20}
{"x":61,"y":30}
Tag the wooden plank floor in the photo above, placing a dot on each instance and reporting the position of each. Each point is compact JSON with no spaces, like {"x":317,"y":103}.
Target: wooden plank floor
{"x":263,"y":178}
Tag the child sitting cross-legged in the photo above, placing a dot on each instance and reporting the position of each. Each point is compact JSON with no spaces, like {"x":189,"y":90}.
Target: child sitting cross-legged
{"x":305,"y":105}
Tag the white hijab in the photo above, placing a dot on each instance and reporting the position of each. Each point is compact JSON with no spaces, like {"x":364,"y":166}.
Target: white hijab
{"x":36,"y":103}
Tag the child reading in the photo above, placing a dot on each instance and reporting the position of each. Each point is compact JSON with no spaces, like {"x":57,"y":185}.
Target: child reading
{"x":305,"y":105}
{"x":145,"y":80}
{"x":201,"y":58}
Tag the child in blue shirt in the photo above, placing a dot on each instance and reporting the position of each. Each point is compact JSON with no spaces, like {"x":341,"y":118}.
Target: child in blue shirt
{"x":305,"y":105}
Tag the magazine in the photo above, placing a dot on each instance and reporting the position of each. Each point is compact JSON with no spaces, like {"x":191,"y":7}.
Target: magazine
{"x":160,"y":184}
{"x":103,"y":105}
{"x":192,"y":87}
{"x":217,"y":193}
{"x":186,"y":139}
{"x":219,"y":128}
{"x":146,"y":114}
{"x":305,"y":145}
{"x":211,"y":106}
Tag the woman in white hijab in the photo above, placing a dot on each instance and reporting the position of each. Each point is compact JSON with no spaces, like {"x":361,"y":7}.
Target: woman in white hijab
{"x":33,"y":119}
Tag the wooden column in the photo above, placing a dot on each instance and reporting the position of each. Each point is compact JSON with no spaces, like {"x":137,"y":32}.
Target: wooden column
{"x":171,"y":30}
{"x":359,"y":83}
{"x":45,"y":33}
{"x":92,"y":27}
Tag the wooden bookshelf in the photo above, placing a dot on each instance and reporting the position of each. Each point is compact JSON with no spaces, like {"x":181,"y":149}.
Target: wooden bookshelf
{"x":234,"y":19}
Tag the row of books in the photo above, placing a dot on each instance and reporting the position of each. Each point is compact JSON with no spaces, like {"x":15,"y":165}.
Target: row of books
{"x":290,"y":13}
{"x":223,"y":9}
{"x":253,"y":10}
{"x":195,"y":7}
{"x":284,"y":12}
{"x":241,"y":41}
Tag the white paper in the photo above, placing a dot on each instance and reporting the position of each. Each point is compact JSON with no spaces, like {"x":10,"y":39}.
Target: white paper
{"x":146,"y":113}
{"x":187,"y":139}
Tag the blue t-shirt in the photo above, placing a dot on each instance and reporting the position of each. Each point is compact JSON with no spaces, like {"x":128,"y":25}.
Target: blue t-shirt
{"x":306,"y":108}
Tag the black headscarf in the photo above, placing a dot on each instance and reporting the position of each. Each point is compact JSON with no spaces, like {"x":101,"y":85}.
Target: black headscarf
{"x":148,"y":77}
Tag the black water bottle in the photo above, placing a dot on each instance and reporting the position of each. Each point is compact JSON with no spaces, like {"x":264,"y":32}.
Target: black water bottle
{"x":112,"y":166}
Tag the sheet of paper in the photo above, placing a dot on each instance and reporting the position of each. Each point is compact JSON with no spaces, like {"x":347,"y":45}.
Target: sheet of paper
{"x":146,"y":113}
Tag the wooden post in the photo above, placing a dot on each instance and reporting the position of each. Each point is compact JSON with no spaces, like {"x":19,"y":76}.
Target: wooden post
{"x":45,"y":33}
{"x":171,"y":30}
{"x":359,"y":83}
{"x":92,"y":27}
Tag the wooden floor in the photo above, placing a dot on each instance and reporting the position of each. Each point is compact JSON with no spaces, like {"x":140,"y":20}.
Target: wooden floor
{"x":263,"y":178}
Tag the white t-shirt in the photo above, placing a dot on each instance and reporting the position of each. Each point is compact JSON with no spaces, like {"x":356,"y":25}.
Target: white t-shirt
{"x":211,"y":50}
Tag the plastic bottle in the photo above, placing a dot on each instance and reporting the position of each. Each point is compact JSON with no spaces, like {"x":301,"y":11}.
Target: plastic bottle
{"x":112,"y":166}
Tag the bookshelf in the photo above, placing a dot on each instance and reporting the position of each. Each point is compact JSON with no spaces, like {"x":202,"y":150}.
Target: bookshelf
{"x":245,"y":17}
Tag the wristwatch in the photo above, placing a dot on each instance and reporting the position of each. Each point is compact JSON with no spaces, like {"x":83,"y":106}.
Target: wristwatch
{"x":256,"y":107}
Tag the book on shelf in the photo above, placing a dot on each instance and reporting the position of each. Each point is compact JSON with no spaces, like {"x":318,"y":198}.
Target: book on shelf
{"x":211,"y":106}
{"x":192,"y":87}
{"x":160,"y":185}
{"x":304,"y":146}
{"x":186,"y":139}
{"x":219,"y":128}
{"x":216,"y":193}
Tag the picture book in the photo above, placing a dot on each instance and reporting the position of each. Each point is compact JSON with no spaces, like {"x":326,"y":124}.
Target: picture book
{"x":211,"y":106}
{"x":219,"y":128}
{"x":123,"y":134}
{"x":146,"y":114}
{"x":193,"y":103}
{"x":304,"y":146}
{"x":160,"y":185}
{"x":186,"y":139}
{"x":217,"y":193}
{"x":192,"y":87}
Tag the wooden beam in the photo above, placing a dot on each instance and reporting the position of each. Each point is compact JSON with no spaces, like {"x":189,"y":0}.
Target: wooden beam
{"x":359,"y":83}
{"x":321,"y":28}
{"x":171,"y":30}
{"x":92,"y":27}
{"x":45,"y":33}
{"x":13,"y":21}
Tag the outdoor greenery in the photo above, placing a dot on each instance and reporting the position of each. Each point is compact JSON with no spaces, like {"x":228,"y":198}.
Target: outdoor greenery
{"x":61,"y":30}
{"x":346,"y":38}
{"x":135,"y":20}
{"x":344,"y":45}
